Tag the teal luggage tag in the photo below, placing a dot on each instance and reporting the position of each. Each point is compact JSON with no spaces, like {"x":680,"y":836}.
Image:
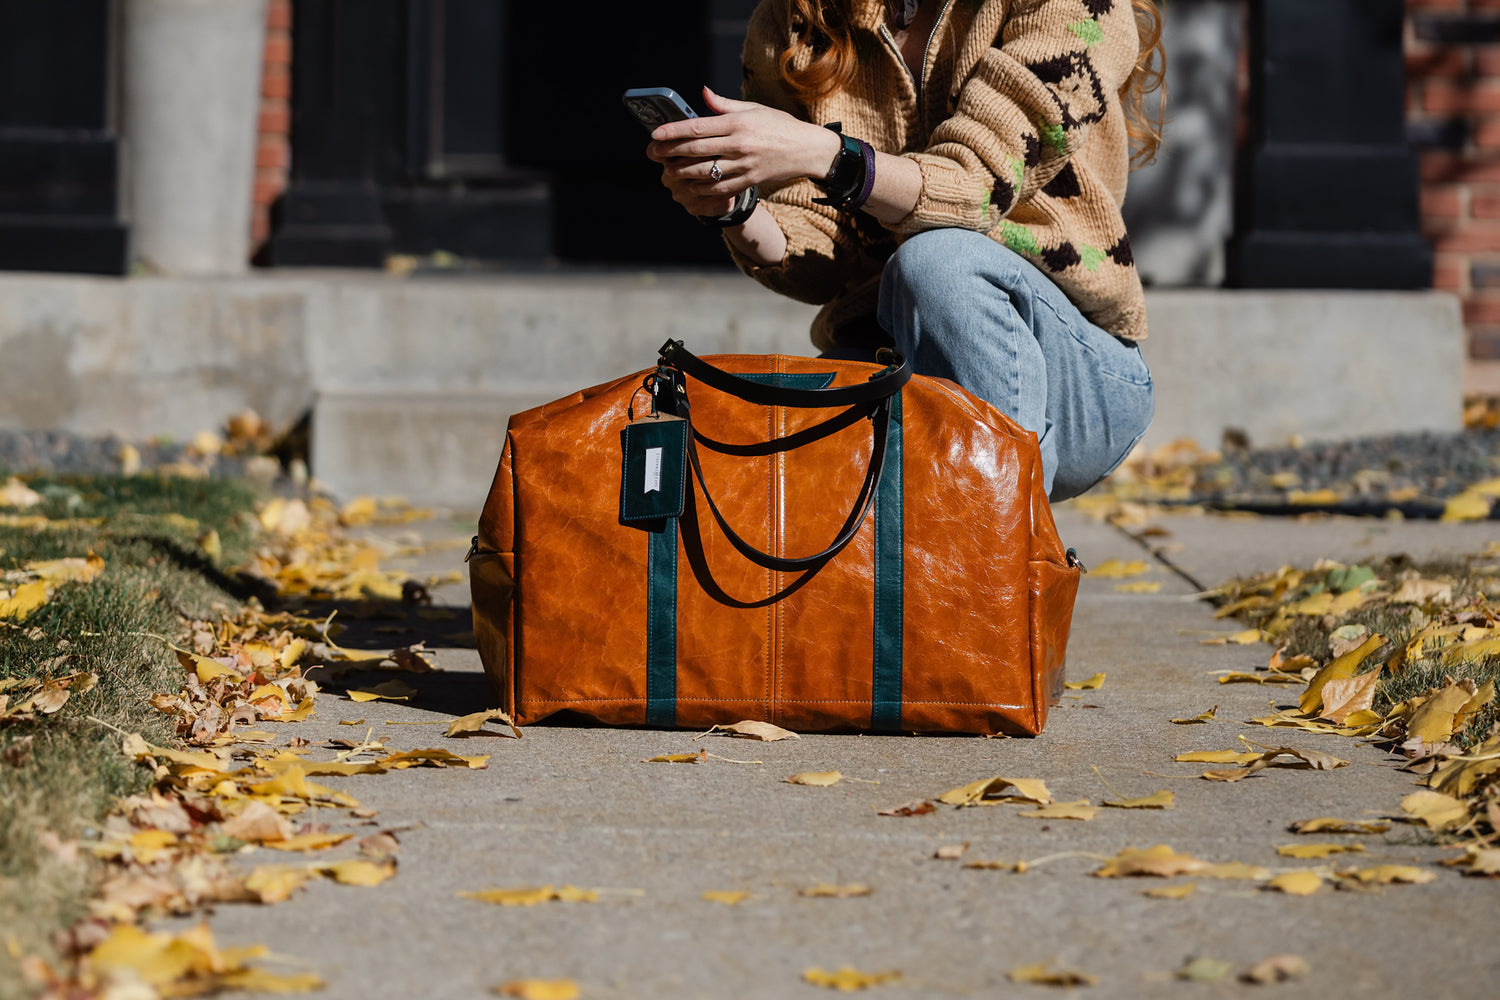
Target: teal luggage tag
{"x":654,"y":470}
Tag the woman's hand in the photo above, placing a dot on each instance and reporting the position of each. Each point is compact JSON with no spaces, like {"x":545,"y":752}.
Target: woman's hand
{"x":751,"y":143}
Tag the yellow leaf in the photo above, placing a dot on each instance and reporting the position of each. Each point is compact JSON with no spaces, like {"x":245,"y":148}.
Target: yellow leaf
{"x":276,"y":883}
{"x":1317,"y":850}
{"x":1390,"y":874}
{"x":539,"y":989}
{"x":1343,"y":697}
{"x":26,"y":599}
{"x":267,"y":691}
{"x":205,"y":668}
{"x":301,"y":714}
{"x":531,"y":897}
{"x":1198,"y":720}
{"x":1203,"y":970}
{"x":1341,"y":668}
{"x":1019,"y":867}
{"x":257,"y":823}
{"x":752,"y":730}
{"x":1063,"y":810}
{"x":396,"y":690}
{"x":990,"y":791}
{"x":1093,"y":683}
{"x":1245,"y":638}
{"x":675,"y":758}
{"x":358,"y":871}
{"x":818,"y":779}
{"x":1163,"y":799}
{"x":1160,"y":861}
{"x":136,"y":747}
{"x":1319,"y":498}
{"x":1234,"y":870}
{"x":1217,"y":757}
{"x":73,"y":570}
{"x":1470,"y":505}
{"x":292,"y":653}
{"x":1042,"y":975}
{"x":1139,"y":587}
{"x":1114,"y":569}
{"x":1180,"y":891}
{"x":148,"y":845}
{"x":827,"y":890}
{"x":1438,"y":811}
{"x":361,"y":655}
{"x":1264,"y":678}
{"x":1276,"y":969}
{"x":17,"y":494}
{"x":309,"y":842}
{"x":434,"y":757}
{"x":260,"y":981}
{"x":1433,"y":722}
{"x":729,"y":897}
{"x":1328,"y":824}
{"x":848,"y":980}
{"x":1299,"y":883}
{"x":474,"y":723}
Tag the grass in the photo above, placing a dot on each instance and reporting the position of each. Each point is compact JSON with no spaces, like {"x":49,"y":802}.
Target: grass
{"x":156,"y":573}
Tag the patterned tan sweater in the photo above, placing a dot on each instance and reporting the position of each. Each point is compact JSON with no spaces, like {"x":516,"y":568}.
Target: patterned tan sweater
{"x":1017,"y":126}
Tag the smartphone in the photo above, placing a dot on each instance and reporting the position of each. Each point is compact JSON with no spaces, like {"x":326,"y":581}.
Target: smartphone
{"x":653,"y":106}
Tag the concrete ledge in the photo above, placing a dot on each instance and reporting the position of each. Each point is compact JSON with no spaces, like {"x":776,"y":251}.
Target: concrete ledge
{"x":411,"y":380}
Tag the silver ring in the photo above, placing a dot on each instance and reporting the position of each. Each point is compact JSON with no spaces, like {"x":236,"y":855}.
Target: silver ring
{"x":715,"y":172}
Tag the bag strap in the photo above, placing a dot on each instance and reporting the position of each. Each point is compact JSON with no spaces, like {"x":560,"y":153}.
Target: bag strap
{"x":882,"y":385}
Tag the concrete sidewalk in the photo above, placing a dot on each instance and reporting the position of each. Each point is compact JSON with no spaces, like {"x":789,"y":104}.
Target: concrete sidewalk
{"x":577,"y":806}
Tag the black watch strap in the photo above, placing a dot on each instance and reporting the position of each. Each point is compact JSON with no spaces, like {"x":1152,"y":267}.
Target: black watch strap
{"x":744,"y":207}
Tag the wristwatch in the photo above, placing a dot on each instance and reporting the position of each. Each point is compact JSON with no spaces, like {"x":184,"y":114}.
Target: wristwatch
{"x":744,"y":207}
{"x":851,"y":178}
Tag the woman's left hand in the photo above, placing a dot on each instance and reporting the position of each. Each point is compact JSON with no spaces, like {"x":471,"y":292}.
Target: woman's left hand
{"x":751,"y":143}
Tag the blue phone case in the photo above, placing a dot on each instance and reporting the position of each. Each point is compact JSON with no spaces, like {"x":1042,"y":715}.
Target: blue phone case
{"x":653,"y":106}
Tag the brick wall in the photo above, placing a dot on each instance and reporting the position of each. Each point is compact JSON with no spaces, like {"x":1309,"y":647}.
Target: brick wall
{"x":1453,"y":121}
{"x":273,"y":154}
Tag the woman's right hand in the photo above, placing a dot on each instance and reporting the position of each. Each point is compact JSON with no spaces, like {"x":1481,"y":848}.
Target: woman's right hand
{"x":683,"y":176}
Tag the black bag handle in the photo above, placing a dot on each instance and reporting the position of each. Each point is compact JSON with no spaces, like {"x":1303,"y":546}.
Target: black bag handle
{"x":877,"y":392}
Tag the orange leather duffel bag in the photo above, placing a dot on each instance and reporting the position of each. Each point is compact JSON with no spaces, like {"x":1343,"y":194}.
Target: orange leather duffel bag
{"x":818,"y":544}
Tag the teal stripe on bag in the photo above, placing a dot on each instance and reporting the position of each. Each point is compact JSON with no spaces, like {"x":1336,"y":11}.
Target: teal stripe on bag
{"x":885,"y":709}
{"x":661,"y":625}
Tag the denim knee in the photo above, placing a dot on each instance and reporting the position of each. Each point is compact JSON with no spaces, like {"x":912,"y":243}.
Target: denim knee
{"x":931,"y":267}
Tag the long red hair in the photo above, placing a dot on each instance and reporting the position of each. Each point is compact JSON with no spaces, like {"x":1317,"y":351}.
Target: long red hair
{"x":821,"y":28}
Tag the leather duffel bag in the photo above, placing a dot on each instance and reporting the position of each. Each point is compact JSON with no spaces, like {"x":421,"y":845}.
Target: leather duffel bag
{"x":818,"y":544}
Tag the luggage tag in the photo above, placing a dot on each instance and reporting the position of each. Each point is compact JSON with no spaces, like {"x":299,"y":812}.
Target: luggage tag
{"x":654,"y":470}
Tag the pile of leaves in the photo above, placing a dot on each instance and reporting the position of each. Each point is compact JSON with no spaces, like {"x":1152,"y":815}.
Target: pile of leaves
{"x":1400,"y":654}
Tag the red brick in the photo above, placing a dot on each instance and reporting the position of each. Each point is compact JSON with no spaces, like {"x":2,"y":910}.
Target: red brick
{"x":273,"y":151}
{"x":1441,"y":97}
{"x":276,"y":81}
{"x":1448,"y":277}
{"x":1453,"y":168}
{"x":1482,"y":311}
{"x":1485,"y":133}
{"x":1484,"y":345}
{"x":278,"y":50}
{"x":1485,"y":206}
{"x":1476,"y":237}
{"x":267,"y":191}
{"x":1446,"y":201}
{"x":1487,"y":60}
{"x":279,"y":14}
{"x":1436,"y":63}
{"x":260,"y":226}
{"x":275,"y":120}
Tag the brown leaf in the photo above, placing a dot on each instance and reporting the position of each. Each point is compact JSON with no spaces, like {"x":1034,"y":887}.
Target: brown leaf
{"x":1343,"y":697}
{"x":1163,"y":799}
{"x":1276,"y":969}
{"x":818,"y":779}
{"x":1328,"y":824}
{"x":916,"y":807}
{"x":753,"y":730}
{"x":1198,"y":720}
{"x":1180,"y":891}
{"x":258,"y":823}
{"x":1342,"y":667}
{"x":951,"y":852}
{"x":991,"y":791}
{"x":676,"y":758}
{"x":827,"y":890}
{"x":1041,"y":974}
{"x":1080,"y":810}
{"x":474,"y":723}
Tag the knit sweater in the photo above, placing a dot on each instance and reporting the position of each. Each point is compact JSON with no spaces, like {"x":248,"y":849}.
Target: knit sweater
{"x":1017,"y":126}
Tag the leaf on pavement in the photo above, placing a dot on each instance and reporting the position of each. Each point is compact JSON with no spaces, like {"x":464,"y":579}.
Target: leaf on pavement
{"x":1276,"y":969}
{"x":1080,"y":810}
{"x":729,"y":897}
{"x":676,"y":758}
{"x":992,"y":791}
{"x":950,"y":852}
{"x":539,"y":989}
{"x":359,"y":871}
{"x":1198,"y":720}
{"x":1180,"y":891}
{"x":1115,"y":569}
{"x":1343,"y":697}
{"x":1330,"y":824}
{"x":392,"y":690}
{"x":1436,"y":810}
{"x":916,"y":807}
{"x":1299,"y":883}
{"x":1163,"y":799}
{"x":309,"y":841}
{"x":257,"y":823}
{"x":531,"y":897}
{"x":753,"y":730}
{"x":1477,"y":861}
{"x":1317,"y":850}
{"x":1159,"y":861}
{"x":1245,"y":638}
{"x":1341,"y":668}
{"x":848,"y":980}
{"x":1139,"y":587}
{"x":827,"y":890}
{"x":1092,"y":684}
{"x":1042,"y":975}
{"x":1203,"y":970}
{"x":1389,"y":875}
{"x":818,"y":779}
{"x":1262,"y":678}
{"x":433,"y":757}
{"x":1217,"y":757}
{"x":997,"y":865}
{"x":276,"y":883}
{"x":474,"y":723}
{"x":1234,"y":870}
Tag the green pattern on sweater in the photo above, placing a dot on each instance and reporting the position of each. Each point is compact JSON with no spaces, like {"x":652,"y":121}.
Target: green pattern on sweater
{"x":1019,"y":238}
{"x":1092,"y":256}
{"x":1089,"y":31}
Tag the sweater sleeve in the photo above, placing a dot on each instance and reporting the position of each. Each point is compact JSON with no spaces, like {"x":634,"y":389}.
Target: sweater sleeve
{"x":821,"y":246}
{"x":1027,"y":107}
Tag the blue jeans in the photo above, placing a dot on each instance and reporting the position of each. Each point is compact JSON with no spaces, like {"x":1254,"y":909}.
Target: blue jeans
{"x":964,"y":307}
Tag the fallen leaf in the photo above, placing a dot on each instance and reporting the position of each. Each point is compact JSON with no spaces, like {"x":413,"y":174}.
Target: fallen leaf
{"x":18,"y":495}
{"x":729,"y":897}
{"x":1433,"y":722}
{"x":1469,"y":505}
{"x":752,"y":730}
{"x":1093,"y":683}
{"x":531,"y":897}
{"x":309,"y":841}
{"x":1343,"y":697}
{"x":257,"y":823}
{"x":1198,"y":720}
{"x":26,"y":598}
{"x":1276,"y":969}
{"x":826,"y":890}
{"x":359,"y":871}
{"x":1263,"y":678}
{"x":848,"y":980}
{"x":1019,"y":867}
{"x":1180,"y":891}
{"x":351,"y":722}
{"x":1080,"y":810}
{"x":1299,"y":883}
{"x":1203,"y":970}
{"x":474,"y":723}
{"x":950,"y":852}
{"x":818,"y":779}
{"x":1163,"y":799}
{"x":1234,"y":870}
{"x":276,"y":883}
{"x":916,"y":807}
{"x":1328,"y":824}
{"x":1436,"y":810}
{"x":1318,"y":850}
{"x":1160,"y":861}
{"x":990,"y":791}
{"x":1341,"y":668}
{"x":1114,"y":569}
{"x":675,"y":758}
{"x":1217,"y":757}
{"x":1245,"y":638}
{"x":1389,"y":874}
{"x":1139,"y":587}
{"x":435,"y":757}
{"x":1478,"y":861}
{"x":1044,"y":976}
{"x":393,"y":690}
{"x":539,"y":989}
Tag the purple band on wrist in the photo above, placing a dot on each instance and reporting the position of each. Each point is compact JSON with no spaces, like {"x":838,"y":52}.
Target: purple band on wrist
{"x":857,"y":202}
